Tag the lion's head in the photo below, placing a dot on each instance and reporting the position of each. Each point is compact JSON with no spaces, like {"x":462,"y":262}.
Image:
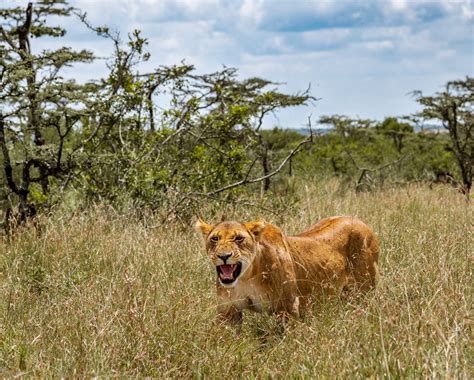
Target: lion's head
{"x":231,"y":246}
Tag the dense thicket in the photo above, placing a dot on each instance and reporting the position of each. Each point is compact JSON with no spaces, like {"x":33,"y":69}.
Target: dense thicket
{"x":163,"y":139}
{"x":168,"y":139}
{"x":369,"y":154}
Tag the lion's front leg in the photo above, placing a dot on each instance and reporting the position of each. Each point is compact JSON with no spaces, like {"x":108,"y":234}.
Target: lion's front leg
{"x":285,"y":310}
{"x":289,"y":308}
{"x":288,"y":302}
{"x":229,"y":311}
{"x":229,"y":315}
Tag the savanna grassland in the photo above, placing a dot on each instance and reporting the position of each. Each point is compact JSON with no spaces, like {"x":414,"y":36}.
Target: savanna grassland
{"x":97,"y":293}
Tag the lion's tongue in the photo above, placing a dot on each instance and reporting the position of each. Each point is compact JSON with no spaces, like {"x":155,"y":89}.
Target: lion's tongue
{"x":227,"y":271}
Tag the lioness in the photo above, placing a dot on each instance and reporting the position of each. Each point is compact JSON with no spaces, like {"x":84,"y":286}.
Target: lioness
{"x":260,"y":268}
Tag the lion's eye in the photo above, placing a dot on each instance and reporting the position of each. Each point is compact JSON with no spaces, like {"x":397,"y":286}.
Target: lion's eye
{"x":215,"y":238}
{"x":239,"y":239}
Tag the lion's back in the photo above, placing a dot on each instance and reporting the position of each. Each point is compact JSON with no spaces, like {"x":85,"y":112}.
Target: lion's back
{"x":353,"y":239}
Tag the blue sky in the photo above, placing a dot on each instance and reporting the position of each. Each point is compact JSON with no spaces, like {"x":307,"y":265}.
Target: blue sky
{"x":361,"y":57}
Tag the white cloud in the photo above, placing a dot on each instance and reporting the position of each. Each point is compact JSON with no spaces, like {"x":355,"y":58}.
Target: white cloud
{"x":378,"y":45}
{"x":252,"y":10}
{"x":398,"y":4}
{"x":467,"y":11}
{"x":360,"y":56}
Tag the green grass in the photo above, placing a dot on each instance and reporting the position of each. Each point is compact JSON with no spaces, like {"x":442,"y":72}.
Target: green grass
{"x":96,"y":293}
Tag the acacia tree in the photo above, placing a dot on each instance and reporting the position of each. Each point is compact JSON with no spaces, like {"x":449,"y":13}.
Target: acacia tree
{"x":363,"y":143}
{"x":396,"y":130}
{"x":40,"y":109}
{"x":52,"y":128}
{"x":454,"y":107}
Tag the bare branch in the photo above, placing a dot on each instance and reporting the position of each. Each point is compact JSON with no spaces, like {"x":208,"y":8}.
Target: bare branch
{"x":262,"y":178}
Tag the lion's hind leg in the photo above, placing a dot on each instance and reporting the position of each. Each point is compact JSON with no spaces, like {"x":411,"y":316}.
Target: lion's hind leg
{"x":366,"y":272}
{"x":362,"y":261}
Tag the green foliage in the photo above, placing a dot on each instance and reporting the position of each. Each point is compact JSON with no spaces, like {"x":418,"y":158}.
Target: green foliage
{"x":41,"y":111}
{"x":205,"y":140}
{"x":110,"y":140}
{"x":454,"y":108}
{"x":386,"y":152}
{"x":398,"y":131}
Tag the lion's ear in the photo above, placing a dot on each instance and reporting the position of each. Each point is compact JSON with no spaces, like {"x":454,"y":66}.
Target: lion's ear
{"x":202,"y":227}
{"x":255,"y":228}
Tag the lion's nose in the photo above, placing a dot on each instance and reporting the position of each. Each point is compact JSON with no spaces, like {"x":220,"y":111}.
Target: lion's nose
{"x":224,"y":257}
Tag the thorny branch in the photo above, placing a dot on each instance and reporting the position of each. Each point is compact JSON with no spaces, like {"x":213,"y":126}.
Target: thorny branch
{"x":245,"y":181}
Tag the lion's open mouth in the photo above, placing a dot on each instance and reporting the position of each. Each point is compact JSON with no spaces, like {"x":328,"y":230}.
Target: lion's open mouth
{"x":228,"y":273}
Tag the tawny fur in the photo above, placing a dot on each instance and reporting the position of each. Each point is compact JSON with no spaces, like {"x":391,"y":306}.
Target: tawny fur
{"x":286,"y":274}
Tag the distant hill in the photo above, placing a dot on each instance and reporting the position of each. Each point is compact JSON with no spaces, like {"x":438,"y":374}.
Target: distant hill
{"x":435,"y":128}
{"x":430,"y":128}
{"x":317,"y":131}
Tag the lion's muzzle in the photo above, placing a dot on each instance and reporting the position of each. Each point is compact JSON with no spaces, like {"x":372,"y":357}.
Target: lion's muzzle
{"x":228,"y":273}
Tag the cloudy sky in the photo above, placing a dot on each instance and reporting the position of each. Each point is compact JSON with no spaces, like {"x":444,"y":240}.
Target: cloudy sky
{"x":361,"y":57}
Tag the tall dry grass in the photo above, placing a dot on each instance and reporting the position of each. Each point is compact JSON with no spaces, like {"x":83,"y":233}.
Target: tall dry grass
{"x":97,"y":293}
